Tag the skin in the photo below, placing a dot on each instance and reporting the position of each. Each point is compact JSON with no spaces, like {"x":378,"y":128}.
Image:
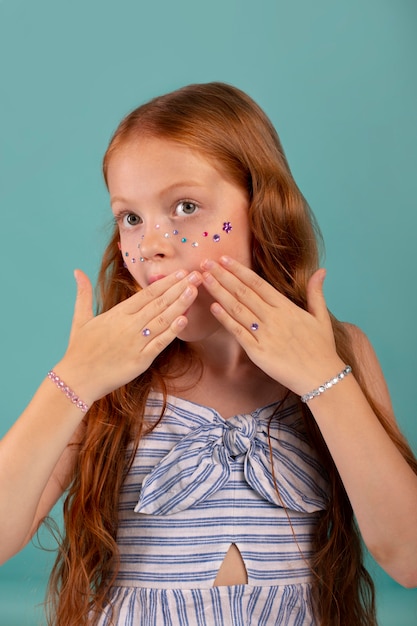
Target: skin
{"x":164,"y":187}
{"x":208,"y":296}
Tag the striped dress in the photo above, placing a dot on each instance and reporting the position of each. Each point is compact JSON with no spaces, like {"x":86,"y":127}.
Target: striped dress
{"x":200,"y":483}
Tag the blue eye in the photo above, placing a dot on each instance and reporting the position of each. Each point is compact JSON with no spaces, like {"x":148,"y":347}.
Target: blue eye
{"x":186,"y":207}
{"x":130,"y":219}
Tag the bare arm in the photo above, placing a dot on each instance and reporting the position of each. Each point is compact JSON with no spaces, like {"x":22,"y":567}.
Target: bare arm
{"x":297,"y":348}
{"x":381,"y":486}
{"x":104,"y":353}
{"x":35,"y":464}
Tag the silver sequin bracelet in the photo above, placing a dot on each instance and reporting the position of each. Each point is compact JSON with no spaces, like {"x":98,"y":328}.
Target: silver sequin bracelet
{"x":329,"y":383}
{"x":71,"y":395}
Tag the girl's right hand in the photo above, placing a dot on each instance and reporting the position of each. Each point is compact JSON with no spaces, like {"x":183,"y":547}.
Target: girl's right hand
{"x":111,"y":349}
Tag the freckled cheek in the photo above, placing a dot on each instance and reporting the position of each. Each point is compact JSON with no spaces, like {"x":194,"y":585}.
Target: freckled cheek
{"x":190,"y":245}
{"x":132,"y":259}
{"x":212,"y":241}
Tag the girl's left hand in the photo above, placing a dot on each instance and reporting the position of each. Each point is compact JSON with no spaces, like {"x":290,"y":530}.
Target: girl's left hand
{"x":293,"y":346}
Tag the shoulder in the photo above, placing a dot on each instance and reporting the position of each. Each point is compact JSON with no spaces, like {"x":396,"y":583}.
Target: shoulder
{"x":362,"y":349}
{"x":370,"y":368}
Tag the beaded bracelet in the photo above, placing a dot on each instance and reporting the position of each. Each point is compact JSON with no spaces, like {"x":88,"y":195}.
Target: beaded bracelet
{"x":71,"y":395}
{"x":329,"y":383}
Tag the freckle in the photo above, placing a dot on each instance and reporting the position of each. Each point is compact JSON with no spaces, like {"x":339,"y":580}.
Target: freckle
{"x":216,"y":238}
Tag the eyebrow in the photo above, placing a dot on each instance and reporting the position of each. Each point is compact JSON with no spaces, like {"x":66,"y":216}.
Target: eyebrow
{"x":165,"y":191}
{"x":185,"y":183}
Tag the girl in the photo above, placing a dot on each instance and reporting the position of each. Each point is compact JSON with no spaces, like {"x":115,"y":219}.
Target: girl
{"x":227,"y":439}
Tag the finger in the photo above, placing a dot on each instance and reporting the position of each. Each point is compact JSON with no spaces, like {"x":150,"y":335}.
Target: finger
{"x":83,"y":309}
{"x":243,"y":307}
{"x":316,"y":303}
{"x":163,"y":292}
{"x":244,"y":332}
{"x":161,"y":331}
{"x":158,"y":343}
{"x":241,"y":281}
{"x":157,"y":323}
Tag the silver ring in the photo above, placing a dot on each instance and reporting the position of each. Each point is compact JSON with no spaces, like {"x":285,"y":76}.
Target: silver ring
{"x":146,"y":332}
{"x":254,"y":326}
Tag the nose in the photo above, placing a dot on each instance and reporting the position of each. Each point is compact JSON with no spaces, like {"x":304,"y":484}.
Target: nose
{"x":155,"y":243}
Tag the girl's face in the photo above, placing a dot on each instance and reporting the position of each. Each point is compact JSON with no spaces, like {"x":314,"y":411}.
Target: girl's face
{"x":174,"y":210}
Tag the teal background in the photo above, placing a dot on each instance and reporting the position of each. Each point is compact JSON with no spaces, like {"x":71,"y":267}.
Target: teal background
{"x":339,"y":82}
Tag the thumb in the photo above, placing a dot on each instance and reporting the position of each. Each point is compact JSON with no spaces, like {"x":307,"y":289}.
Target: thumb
{"x":83,"y":309}
{"x":316,"y":304}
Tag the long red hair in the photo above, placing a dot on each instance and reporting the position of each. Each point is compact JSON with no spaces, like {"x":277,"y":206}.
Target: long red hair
{"x":223,"y":124}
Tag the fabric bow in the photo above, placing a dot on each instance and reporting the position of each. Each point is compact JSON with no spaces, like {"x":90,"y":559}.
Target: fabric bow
{"x":200,"y":465}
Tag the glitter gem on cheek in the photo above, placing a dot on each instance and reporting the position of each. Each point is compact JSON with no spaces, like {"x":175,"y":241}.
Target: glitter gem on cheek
{"x":205,"y":234}
{"x":227,"y":227}
{"x":216,"y":238}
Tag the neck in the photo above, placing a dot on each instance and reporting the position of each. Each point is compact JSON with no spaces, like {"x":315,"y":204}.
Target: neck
{"x":224,"y":378}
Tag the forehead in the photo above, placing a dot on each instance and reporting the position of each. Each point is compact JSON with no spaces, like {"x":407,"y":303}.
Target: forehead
{"x":149,"y":157}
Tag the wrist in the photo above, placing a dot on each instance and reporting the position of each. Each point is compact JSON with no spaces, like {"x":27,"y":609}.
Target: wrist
{"x":78,"y":381}
{"x":326,"y":385}
{"x":67,"y":391}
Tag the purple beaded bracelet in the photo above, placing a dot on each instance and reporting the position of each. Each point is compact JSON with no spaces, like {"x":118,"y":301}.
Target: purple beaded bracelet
{"x":329,"y":383}
{"x":71,"y":395}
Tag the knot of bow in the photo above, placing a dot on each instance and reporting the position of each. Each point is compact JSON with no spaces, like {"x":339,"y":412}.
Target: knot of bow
{"x":199,"y":465}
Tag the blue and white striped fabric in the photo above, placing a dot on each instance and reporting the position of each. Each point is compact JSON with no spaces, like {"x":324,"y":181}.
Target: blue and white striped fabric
{"x":200,"y":483}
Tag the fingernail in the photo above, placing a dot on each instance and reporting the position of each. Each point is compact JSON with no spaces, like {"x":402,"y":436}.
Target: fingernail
{"x":194,"y":278}
{"x":208,"y":264}
{"x":208,"y":278}
{"x":188,"y":292}
{"x":225,"y":260}
{"x":180,"y":274}
{"x":182,"y":322}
